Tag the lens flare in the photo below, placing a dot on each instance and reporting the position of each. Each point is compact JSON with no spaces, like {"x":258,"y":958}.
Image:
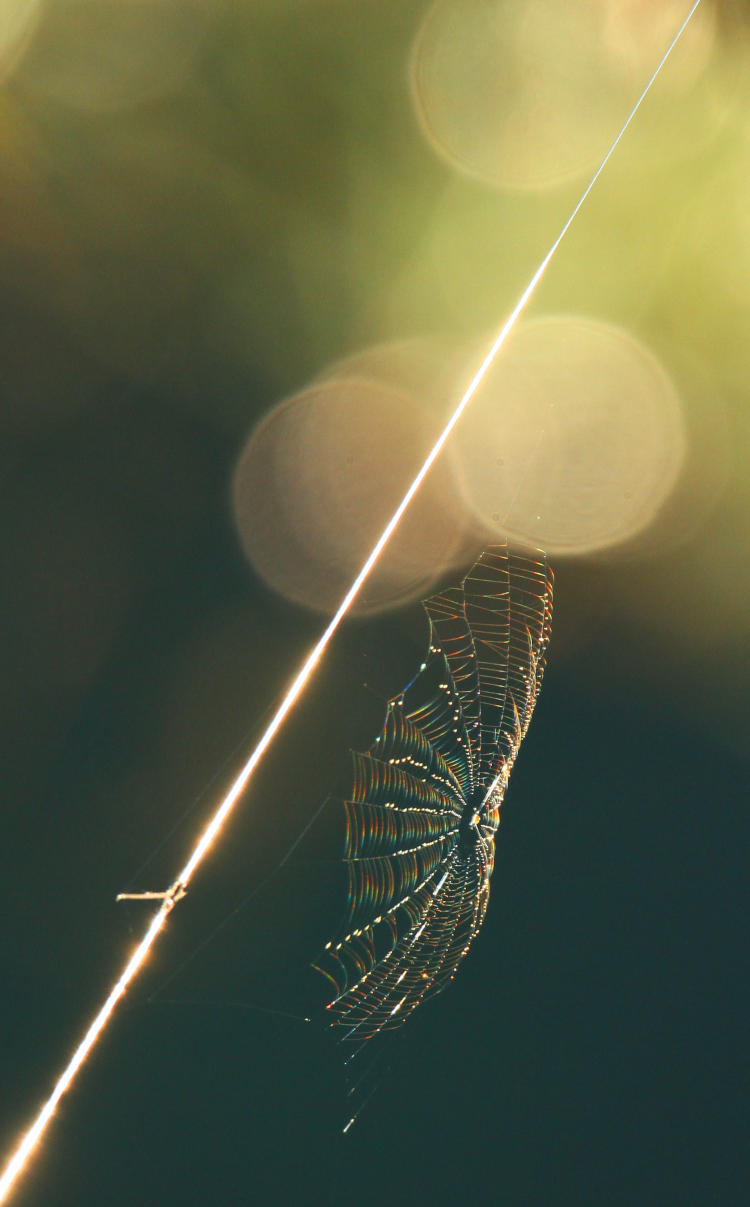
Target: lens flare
{"x":100,"y":55}
{"x":523,"y":96}
{"x":206,"y":840}
{"x":18,"y":20}
{"x":344,"y":448}
{"x":575,"y":439}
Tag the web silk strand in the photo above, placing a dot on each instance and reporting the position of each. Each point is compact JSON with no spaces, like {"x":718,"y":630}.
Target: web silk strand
{"x":31,"y":1138}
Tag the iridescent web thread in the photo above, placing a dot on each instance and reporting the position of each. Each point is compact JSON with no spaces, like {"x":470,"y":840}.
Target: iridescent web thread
{"x":424,"y":803}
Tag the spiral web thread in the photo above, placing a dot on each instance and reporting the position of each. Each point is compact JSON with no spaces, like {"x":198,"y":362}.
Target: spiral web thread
{"x":425,"y":799}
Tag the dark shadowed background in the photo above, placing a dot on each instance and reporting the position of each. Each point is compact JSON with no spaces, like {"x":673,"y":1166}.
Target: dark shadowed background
{"x":209,"y":209}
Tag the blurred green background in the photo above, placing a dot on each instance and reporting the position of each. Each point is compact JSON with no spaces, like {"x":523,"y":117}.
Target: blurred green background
{"x":205,"y":207}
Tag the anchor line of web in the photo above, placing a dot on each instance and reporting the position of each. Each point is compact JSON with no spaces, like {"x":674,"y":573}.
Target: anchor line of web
{"x":29,"y":1141}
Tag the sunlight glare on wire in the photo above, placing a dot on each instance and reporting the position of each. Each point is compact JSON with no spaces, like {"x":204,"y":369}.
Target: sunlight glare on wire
{"x":31,"y":1138}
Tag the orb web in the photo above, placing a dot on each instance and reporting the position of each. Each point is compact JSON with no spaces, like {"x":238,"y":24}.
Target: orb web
{"x":424,"y":803}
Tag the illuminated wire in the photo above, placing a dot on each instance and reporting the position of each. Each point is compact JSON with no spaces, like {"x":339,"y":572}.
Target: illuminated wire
{"x":31,"y":1138}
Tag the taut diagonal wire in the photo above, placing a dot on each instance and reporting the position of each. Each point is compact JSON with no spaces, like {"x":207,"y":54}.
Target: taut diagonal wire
{"x":31,"y":1138}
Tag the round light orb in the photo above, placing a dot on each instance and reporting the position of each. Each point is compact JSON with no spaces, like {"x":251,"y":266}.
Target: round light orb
{"x":574,"y":439}
{"x":110,"y":54}
{"x":320,"y":477}
{"x":18,"y":19}
{"x":527,"y":94}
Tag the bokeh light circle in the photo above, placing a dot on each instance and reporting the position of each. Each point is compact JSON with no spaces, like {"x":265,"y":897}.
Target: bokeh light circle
{"x":574,"y":440}
{"x":108,"y":54}
{"x":18,"y":19}
{"x":529,"y":93}
{"x":320,"y":477}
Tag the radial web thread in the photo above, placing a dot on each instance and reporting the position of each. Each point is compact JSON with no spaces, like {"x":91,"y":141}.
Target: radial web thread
{"x":424,"y":803}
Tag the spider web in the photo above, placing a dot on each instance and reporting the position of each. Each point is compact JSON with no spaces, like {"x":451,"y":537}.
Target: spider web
{"x":424,"y":803}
